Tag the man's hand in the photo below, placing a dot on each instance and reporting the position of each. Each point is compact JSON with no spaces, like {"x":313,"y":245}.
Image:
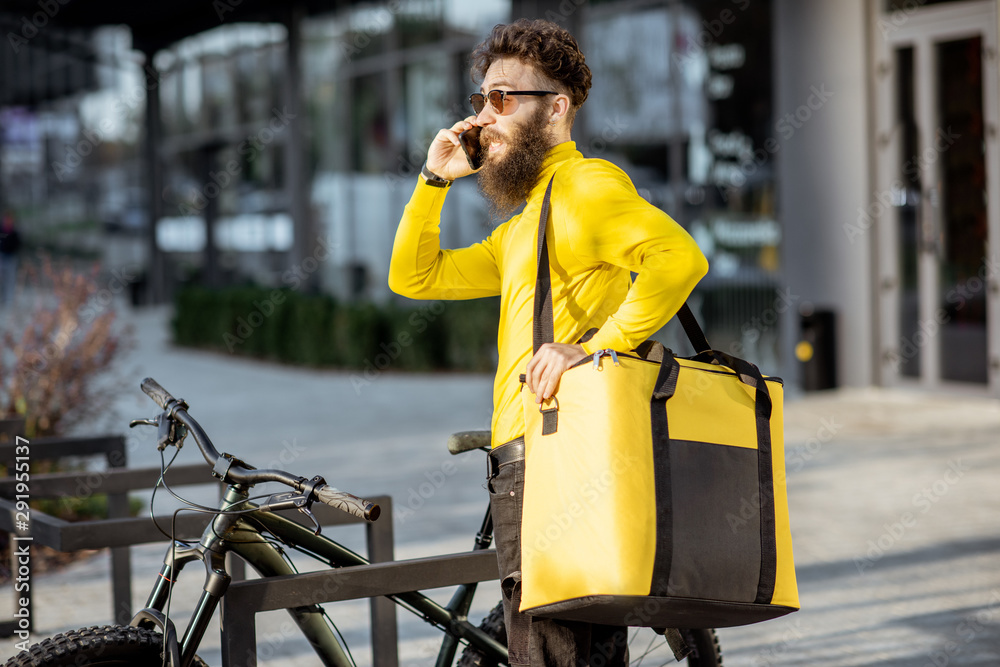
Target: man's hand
{"x":548,"y":365}
{"x":445,"y":156}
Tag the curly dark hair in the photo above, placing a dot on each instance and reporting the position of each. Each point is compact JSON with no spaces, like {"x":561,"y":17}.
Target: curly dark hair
{"x":544,"y":45}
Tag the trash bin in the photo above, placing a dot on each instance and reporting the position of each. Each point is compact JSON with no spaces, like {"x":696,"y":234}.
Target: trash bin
{"x":816,"y":349}
{"x":138,"y":291}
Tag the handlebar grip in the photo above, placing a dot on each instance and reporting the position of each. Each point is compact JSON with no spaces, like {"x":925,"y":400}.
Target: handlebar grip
{"x":353,"y":505}
{"x":153,"y":389}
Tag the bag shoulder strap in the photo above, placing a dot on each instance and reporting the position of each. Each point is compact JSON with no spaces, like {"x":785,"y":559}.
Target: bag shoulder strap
{"x":542,"y":327}
{"x":693,"y":330}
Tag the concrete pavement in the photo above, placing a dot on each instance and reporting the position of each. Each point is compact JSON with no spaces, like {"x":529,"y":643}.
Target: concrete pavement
{"x":893,"y":495}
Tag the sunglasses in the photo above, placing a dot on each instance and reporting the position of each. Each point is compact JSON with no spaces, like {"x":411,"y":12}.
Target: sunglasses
{"x":498,"y":98}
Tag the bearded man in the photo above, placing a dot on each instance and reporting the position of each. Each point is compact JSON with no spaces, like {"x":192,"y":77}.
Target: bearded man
{"x":534,"y":79}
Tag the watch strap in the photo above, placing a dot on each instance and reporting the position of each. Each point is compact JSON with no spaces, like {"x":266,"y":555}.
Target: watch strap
{"x":433,"y":179}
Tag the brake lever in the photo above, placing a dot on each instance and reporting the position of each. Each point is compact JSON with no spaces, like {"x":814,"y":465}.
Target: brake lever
{"x":291,"y":500}
{"x":171,"y":433}
{"x":315,"y":522}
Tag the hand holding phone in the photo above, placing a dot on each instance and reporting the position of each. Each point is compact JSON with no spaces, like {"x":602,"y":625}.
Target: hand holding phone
{"x":473,"y":149}
{"x":451,"y":154}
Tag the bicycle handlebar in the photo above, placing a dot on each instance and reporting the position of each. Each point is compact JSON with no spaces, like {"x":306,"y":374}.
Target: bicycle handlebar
{"x":159,"y":395}
{"x":363,"y":509}
{"x":235,"y":473}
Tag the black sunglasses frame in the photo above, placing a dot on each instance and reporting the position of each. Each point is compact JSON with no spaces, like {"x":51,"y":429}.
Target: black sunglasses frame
{"x":478,"y":100}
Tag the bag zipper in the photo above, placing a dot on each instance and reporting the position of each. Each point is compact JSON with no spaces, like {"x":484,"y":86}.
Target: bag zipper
{"x":522,"y":378}
{"x":603,"y":353}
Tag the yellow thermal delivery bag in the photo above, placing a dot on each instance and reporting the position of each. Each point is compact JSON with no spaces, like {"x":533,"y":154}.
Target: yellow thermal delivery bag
{"x":654,"y":489}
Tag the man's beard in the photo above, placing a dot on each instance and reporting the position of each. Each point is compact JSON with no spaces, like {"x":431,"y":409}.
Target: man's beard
{"x":507,"y":179}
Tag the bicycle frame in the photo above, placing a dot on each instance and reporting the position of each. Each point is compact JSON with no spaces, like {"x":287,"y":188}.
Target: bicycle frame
{"x":240,"y":534}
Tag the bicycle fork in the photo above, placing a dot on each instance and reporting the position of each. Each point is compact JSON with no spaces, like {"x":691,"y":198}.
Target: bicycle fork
{"x":226,"y":533}
{"x":180,"y":654}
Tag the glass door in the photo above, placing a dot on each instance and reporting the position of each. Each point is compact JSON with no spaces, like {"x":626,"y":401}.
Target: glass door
{"x":936,"y":161}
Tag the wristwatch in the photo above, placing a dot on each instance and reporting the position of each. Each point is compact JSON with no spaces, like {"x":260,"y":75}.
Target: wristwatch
{"x":433,"y":179}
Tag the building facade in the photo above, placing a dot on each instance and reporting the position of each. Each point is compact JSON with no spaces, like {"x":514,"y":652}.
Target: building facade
{"x":888,"y":192}
{"x":835,"y":160}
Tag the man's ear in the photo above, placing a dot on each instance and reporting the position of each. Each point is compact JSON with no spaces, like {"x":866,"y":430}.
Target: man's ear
{"x":560,"y":107}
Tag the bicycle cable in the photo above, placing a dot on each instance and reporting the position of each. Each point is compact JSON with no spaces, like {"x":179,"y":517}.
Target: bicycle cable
{"x":172,"y":536}
{"x":195,"y":507}
{"x":266,"y":535}
{"x":164,"y":467}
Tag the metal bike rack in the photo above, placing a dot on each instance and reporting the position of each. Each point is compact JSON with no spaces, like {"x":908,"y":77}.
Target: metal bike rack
{"x":54,"y":486}
{"x":243,"y":600}
{"x":121,"y":531}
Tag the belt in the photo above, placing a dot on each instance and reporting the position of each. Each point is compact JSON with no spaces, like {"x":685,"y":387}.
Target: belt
{"x":509,"y":452}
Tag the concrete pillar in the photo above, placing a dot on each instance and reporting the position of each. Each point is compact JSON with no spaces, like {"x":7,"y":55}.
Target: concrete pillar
{"x":297,"y":186}
{"x":154,"y":180}
{"x":821,"y":124}
{"x":211,"y":275}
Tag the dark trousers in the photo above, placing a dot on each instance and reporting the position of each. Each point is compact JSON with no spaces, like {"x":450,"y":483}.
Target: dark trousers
{"x":541,"y":641}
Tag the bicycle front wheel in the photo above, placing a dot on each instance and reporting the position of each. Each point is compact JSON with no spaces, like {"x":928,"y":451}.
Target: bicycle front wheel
{"x":646,"y":648}
{"x":106,"y":646}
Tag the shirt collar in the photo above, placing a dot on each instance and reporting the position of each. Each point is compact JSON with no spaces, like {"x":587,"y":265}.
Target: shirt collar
{"x":555,"y":158}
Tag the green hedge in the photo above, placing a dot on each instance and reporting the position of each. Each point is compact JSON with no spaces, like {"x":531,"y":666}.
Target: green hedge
{"x":316,"y":330}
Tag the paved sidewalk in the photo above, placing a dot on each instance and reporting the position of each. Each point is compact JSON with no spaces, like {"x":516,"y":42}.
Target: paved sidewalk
{"x":892,"y":493}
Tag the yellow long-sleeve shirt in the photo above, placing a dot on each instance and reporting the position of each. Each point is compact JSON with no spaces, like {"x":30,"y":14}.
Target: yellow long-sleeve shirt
{"x":599,"y":231}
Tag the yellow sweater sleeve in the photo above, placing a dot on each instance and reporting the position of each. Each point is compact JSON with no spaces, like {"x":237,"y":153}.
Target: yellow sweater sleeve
{"x":614,"y":225}
{"x":420,"y":269}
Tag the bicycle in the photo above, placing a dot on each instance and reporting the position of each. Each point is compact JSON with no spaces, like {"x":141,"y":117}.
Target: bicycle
{"x":251,"y":530}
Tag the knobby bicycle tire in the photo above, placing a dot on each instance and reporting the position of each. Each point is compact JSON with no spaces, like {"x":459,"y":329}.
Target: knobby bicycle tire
{"x":99,"y":646}
{"x":645,"y":646}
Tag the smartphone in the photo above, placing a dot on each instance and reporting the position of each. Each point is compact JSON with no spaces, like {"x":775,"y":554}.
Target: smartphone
{"x":473,"y":149}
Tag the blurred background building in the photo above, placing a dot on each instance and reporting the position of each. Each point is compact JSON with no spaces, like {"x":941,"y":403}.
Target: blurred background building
{"x":836,"y":160}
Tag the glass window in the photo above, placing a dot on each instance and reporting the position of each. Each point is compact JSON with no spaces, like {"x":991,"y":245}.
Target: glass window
{"x":682,"y":101}
{"x":371,"y":123}
{"x":428,"y":94}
